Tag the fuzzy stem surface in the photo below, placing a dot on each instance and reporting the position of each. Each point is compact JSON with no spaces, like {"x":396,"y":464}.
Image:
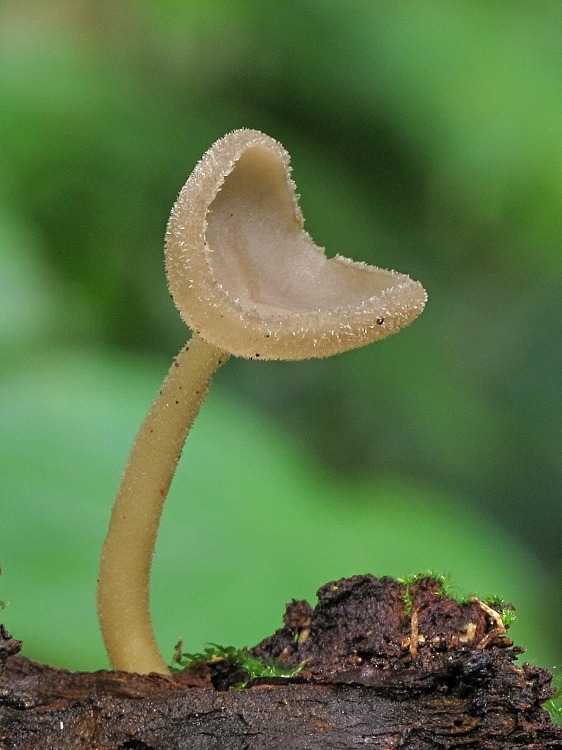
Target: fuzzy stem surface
{"x":126,"y":558}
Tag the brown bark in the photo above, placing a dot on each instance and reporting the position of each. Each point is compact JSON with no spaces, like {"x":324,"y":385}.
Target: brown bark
{"x":381,"y":674}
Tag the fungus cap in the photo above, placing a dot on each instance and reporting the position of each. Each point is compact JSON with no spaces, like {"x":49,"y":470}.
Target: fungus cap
{"x":246,"y":276}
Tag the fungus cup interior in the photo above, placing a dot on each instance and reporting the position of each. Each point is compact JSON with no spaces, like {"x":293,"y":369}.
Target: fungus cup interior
{"x":262,"y":255}
{"x":246,"y":275}
{"x":250,"y":282}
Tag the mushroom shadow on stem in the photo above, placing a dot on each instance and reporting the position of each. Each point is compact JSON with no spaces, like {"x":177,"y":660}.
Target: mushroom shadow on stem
{"x":250,"y":282}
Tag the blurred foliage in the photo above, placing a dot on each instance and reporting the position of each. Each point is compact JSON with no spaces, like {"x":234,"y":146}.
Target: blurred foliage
{"x":249,"y":524}
{"x":426,"y":137}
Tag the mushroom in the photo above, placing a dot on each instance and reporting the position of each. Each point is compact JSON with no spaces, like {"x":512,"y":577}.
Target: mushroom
{"x":249,"y":281}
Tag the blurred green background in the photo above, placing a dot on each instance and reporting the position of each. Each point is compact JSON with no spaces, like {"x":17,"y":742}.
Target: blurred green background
{"x":425,"y":137}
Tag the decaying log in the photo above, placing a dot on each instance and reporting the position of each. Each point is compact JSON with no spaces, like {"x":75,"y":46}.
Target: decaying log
{"x":387,"y":666}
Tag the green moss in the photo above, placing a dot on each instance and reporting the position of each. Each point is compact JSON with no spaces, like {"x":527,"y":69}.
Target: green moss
{"x":239,"y":657}
{"x":444,"y":580}
{"x":445,"y":588}
{"x":408,"y":601}
{"x":506,"y":610}
{"x":554,"y":705}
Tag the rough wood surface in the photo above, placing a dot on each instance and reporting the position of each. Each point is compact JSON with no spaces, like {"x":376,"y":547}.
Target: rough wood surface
{"x":381,"y":674}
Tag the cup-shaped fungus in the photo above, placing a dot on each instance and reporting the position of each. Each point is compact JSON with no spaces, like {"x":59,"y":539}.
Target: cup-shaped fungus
{"x":249,"y":281}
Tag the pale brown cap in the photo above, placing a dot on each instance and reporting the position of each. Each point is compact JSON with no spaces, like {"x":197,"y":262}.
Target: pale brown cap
{"x":246,"y":276}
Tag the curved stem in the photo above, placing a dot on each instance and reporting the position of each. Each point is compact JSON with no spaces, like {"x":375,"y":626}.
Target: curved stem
{"x":124,"y":576}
